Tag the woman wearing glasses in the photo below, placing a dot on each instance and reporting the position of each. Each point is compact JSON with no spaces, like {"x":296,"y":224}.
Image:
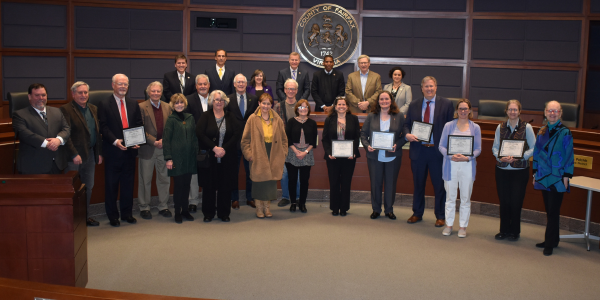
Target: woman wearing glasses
{"x":302,"y":137}
{"x":458,"y":170}
{"x":512,"y":174}
{"x":218,"y":132}
{"x":552,"y":168}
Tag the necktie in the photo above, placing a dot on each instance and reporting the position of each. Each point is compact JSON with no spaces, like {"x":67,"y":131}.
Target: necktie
{"x":426,"y":116}
{"x":44,"y":117}
{"x":294,"y":74}
{"x":242,"y":105}
{"x":124,"y":115}
{"x":181,"y":82}
{"x":220,"y":73}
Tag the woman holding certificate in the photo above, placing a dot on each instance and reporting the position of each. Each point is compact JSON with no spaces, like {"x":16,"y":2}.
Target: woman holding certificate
{"x":218,"y":132}
{"x":552,"y":168}
{"x":460,"y":144}
{"x":180,"y":147}
{"x":265,"y":145}
{"x":302,"y":139}
{"x":341,"y":134}
{"x":513,"y":146}
{"x":382,"y":137}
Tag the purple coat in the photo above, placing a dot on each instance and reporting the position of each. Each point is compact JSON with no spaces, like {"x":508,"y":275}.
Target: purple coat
{"x":267,"y":89}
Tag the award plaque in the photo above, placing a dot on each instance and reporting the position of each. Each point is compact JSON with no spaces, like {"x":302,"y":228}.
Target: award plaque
{"x":134,"y":136}
{"x":342,"y":148}
{"x":514,"y":148}
{"x":422,"y":131}
{"x":381,"y":140}
{"x":461,"y":144}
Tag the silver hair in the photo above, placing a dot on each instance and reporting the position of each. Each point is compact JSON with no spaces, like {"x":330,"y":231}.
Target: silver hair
{"x":211,"y":97}
{"x":114,"y":78}
{"x":236,"y":76}
{"x":202,"y":76}
{"x":77,"y":84}
{"x":292,"y":81}
{"x":153,"y":84}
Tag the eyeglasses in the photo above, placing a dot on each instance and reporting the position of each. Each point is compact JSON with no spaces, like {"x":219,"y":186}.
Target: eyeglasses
{"x":121,"y":84}
{"x":302,"y":107}
{"x":291,"y":89}
{"x":463,"y":109}
{"x":219,"y":100}
{"x":513,"y":110}
{"x":553,"y":111}
{"x":240,"y":82}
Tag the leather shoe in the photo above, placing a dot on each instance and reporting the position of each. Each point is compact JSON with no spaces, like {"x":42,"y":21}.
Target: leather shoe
{"x":374,"y":215}
{"x":501,"y":236}
{"x":193,"y":208}
{"x":293,"y":207}
{"x":165,"y":213}
{"x":548,"y":251}
{"x":225,"y":219}
{"x":187,"y":216}
{"x":413,"y":219}
{"x":513,"y":237}
{"x":115,"y":223}
{"x":283,"y":202}
{"x":145,"y":214}
{"x":543,"y":245}
{"x":251,"y":203}
{"x":235,"y":204}
{"x":440,"y":223}
{"x":335,"y":213}
{"x":92,"y":222}
{"x":342,"y":213}
{"x":391,"y":216}
{"x":303,"y":208}
{"x":178,"y":219}
{"x":207,"y":219}
{"x":129,"y":219}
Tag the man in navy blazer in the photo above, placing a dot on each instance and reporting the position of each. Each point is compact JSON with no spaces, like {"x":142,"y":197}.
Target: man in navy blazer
{"x":116,"y":113}
{"x":178,"y":81}
{"x":242,"y":112}
{"x":221,"y":78}
{"x":296,"y":73}
{"x":424,"y":155}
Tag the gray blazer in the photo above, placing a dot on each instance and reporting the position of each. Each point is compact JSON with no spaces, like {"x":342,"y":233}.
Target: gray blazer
{"x":403,"y":97}
{"x":372,"y":124}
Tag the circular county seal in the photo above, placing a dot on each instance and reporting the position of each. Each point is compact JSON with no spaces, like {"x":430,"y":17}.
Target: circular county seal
{"x":326,"y":29}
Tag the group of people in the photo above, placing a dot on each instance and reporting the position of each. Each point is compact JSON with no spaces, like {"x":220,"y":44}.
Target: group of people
{"x":211,"y":122}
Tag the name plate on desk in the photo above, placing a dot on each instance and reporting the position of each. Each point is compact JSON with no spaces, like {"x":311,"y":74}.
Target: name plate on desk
{"x":584,"y":162}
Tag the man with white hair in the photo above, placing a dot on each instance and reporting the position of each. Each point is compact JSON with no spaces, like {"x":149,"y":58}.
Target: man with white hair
{"x":363,"y":86}
{"x":286,"y":112}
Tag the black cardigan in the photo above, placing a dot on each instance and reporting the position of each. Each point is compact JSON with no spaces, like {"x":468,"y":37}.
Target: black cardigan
{"x":293,"y":132}
{"x":330,"y":133}
{"x":207,"y":132}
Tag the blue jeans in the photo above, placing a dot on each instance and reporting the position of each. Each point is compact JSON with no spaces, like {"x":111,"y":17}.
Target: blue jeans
{"x":285,"y":192}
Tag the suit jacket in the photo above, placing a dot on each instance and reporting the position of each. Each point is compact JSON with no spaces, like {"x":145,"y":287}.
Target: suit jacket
{"x":31,"y":130}
{"x":251,"y":106}
{"x":319,"y":87}
{"x":79,"y":141}
{"x":301,"y":78}
{"x":330,"y":133}
{"x":403,"y":96}
{"x":372,"y":124}
{"x":195,"y":107}
{"x":147,"y":150}
{"x":443,"y":113}
{"x":171,"y":84}
{"x":354,"y":92}
{"x":216,"y":83}
{"x":111,"y":126}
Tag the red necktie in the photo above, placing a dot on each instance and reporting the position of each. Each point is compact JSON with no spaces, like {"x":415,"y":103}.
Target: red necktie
{"x":124,"y":115}
{"x":426,"y":116}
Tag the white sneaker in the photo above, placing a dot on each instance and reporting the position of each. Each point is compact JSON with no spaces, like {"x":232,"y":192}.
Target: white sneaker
{"x":462,"y":233}
{"x":447,"y":231}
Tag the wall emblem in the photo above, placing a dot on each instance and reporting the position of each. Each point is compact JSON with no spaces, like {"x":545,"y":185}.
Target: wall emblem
{"x":326,"y":29}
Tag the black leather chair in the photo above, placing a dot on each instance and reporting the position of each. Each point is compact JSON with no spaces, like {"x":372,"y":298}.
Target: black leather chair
{"x":16,"y":101}
{"x":570,"y":114}
{"x":98,"y":96}
{"x":455,"y":102}
{"x":491,"y":110}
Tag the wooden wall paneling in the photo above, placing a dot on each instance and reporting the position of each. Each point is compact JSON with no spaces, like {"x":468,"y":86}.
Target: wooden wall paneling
{"x":468,"y":45}
{"x":70,"y":47}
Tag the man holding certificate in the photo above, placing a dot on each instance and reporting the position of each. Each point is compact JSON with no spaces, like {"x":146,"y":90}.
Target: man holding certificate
{"x":431,"y":113}
{"x":381,"y":135}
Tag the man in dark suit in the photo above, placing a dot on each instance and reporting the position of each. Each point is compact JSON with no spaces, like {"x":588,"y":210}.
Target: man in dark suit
{"x":41,"y":131}
{"x":296,"y":73}
{"x":242,"y":105}
{"x":197,"y":104}
{"x":220,"y":77}
{"x":424,"y":155}
{"x":83,"y":150}
{"x":327,"y":84}
{"x":178,"y":81}
{"x":116,"y":113}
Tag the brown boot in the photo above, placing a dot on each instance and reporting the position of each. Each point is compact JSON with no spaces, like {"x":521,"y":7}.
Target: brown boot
{"x":267,"y":206}
{"x":259,"y":208}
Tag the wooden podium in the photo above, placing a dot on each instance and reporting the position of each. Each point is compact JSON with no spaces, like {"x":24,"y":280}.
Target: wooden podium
{"x":43,"y":234}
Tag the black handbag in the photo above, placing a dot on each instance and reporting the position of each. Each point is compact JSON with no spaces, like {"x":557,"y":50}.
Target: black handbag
{"x":202,"y":160}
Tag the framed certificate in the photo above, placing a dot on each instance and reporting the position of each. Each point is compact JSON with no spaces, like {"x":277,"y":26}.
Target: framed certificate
{"x":514,"y":148}
{"x":382,"y":140}
{"x":342,"y":148}
{"x":460,"y":144}
{"x":422,"y":131}
{"x":134,"y":136}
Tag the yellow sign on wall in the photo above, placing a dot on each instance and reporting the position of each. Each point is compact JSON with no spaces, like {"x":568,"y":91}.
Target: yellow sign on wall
{"x":584,"y":162}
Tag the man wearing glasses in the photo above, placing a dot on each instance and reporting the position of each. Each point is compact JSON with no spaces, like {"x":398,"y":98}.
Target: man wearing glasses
{"x":242,"y":105}
{"x":286,"y":113}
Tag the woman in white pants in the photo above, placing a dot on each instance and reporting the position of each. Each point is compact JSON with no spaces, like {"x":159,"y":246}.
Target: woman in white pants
{"x":458,"y":170}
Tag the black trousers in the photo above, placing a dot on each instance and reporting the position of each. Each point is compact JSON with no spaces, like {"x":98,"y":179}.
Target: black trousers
{"x":181,"y":190}
{"x":552,"y":203}
{"x":293,"y":181}
{"x":217,"y":194}
{"x":511,"y":186}
{"x":340,"y":171}
{"x":119,"y":176}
